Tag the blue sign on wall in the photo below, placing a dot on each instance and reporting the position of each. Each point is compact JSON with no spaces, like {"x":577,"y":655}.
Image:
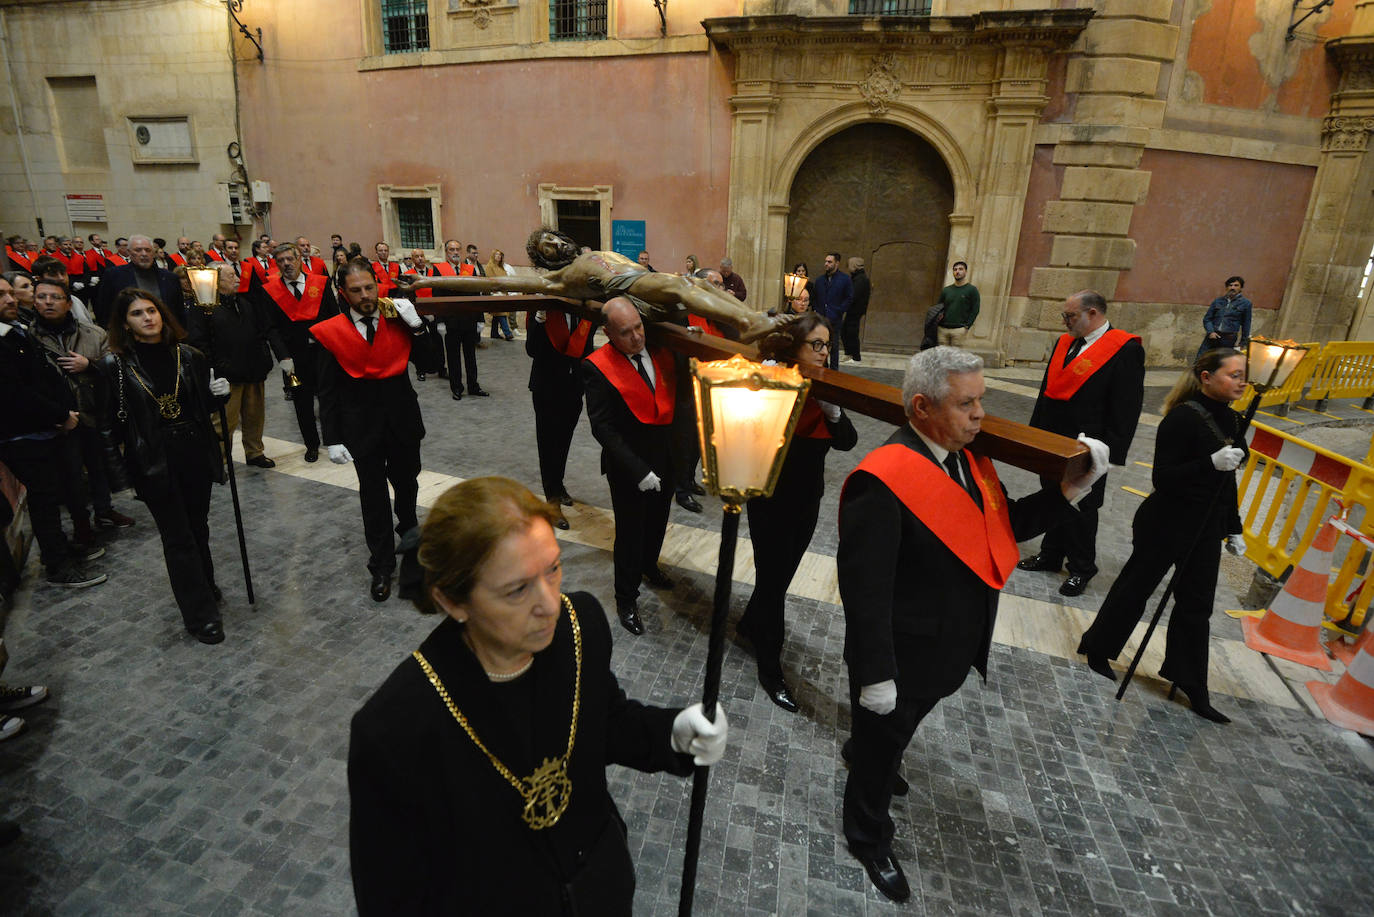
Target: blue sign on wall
{"x":627,"y":237}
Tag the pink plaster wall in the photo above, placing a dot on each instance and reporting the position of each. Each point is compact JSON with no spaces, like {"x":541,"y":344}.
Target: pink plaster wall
{"x":656,"y":128}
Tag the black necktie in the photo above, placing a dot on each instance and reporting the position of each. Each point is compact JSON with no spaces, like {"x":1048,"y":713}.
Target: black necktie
{"x":1074,"y":348}
{"x":296,"y":288}
{"x":643,"y":373}
{"x":961,"y":476}
{"x":371,"y":330}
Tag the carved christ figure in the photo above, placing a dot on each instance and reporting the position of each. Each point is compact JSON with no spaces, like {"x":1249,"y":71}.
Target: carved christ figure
{"x":596,"y":276}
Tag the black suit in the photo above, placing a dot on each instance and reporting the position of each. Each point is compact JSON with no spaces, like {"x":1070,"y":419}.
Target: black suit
{"x":378,"y":421}
{"x":293,"y":339}
{"x":122,"y":277}
{"x":461,"y":337}
{"x":435,"y":830}
{"x":556,"y":390}
{"x":1106,"y":407}
{"x":915,"y":614}
{"x":629,"y":451}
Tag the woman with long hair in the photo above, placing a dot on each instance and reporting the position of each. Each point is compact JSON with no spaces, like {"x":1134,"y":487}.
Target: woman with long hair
{"x":496,"y":266}
{"x":781,"y":526}
{"x":1199,"y":446}
{"x":159,"y":394}
{"x":452,"y":810}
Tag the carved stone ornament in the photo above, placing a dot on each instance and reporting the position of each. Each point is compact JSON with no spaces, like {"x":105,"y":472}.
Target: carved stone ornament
{"x":481,"y":18}
{"x":881,"y":87}
{"x":1347,"y":134}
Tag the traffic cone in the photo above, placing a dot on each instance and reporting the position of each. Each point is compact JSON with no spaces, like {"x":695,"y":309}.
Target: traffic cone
{"x":1349,"y":703}
{"x":1346,"y":652}
{"x":1291,"y":627}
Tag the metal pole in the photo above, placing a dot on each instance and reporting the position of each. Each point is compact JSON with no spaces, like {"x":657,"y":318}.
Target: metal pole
{"x":227,"y":438}
{"x":715,"y":655}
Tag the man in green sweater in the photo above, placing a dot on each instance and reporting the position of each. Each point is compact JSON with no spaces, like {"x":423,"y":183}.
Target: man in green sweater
{"x":960,"y":302}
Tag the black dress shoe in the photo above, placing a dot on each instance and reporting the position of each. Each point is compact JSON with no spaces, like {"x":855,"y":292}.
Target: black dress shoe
{"x":1074,"y":585}
{"x":689,"y":503}
{"x":887,"y":876}
{"x":698,"y":489}
{"x":480,"y":393}
{"x":210,"y":633}
{"x":561,"y":521}
{"x":312,"y":455}
{"x":457,"y":396}
{"x":561,"y":497}
{"x":1200,"y":702}
{"x":261,"y":461}
{"x":1039,"y":562}
{"x":655,"y":577}
{"x":1100,"y":665}
{"x":778,"y":694}
{"x":629,"y":618}
{"x":419,"y":377}
{"x":381,"y":587}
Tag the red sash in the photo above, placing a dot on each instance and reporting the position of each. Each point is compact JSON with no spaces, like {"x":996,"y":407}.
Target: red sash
{"x":114,"y":259}
{"x":385,"y":276}
{"x":387,"y":355}
{"x":1063,"y":382}
{"x":251,"y":267}
{"x":213,"y":255}
{"x":177,"y":258}
{"x":95,"y":260}
{"x":696,"y":321}
{"x":19,"y":260}
{"x":312,"y":265}
{"x":811,"y":424}
{"x":76,"y":263}
{"x":305,"y":308}
{"x":654,"y":407}
{"x":569,"y":343}
{"x":423,"y":292}
{"x":945,"y":508}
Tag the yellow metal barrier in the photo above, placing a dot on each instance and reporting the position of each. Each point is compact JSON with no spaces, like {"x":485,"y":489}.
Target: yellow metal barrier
{"x":1287,"y":491}
{"x":1346,"y":370}
{"x":1291,"y":391}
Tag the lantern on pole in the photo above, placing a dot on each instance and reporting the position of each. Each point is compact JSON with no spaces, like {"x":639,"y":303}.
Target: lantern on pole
{"x":746,"y":415}
{"x":205,"y":286}
{"x":792,"y":286}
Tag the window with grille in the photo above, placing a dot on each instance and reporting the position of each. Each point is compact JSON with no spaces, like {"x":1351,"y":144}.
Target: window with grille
{"x":577,"y":20}
{"x":405,"y":25}
{"x":416,"y":217}
{"x":889,"y":7}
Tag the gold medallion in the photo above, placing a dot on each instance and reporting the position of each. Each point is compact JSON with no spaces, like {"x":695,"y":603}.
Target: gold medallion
{"x":168,"y":407}
{"x":547,"y":793}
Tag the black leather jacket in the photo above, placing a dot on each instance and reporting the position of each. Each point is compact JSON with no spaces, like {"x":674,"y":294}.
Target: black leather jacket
{"x":129,"y":418}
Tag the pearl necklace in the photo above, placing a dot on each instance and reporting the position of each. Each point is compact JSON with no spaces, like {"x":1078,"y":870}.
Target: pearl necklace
{"x":510,"y":676}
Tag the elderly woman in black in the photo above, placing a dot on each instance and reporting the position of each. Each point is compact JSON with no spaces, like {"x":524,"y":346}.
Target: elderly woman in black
{"x":781,"y":526}
{"x":1199,"y":446}
{"x":159,"y":394}
{"x":477,"y":772}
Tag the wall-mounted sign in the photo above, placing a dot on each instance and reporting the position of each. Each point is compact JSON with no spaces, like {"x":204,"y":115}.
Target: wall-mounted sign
{"x":86,"y":208}
{"x":627,"y":237}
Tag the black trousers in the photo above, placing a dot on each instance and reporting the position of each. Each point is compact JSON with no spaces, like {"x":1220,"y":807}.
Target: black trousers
{"x":303,"y":398}
{"x":398,"y":464}
{"x":1075,"y":537}
{"x":460,"y":348}
{"x":875,"y":750}
{"x":1157,"y":546}
{"x":180,"y":505}
{"x":37,"y":464}
{"x":849,"y":334}
{"x":686,"y":445}
{"x":556,"y":414}
{"x":641,"y":521}
{"x":780,"y":531}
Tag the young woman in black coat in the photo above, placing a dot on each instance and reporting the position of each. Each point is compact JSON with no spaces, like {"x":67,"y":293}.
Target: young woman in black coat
{"x":159,"y":394}
{"x":781,"y":526}
{"x":477,"y":772}
{"x":1193,"y":509}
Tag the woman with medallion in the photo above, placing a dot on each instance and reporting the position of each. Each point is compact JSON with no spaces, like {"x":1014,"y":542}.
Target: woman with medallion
{"x":1199,"y":446}
{"x":159,"y":394}
{"x":477,"y":772}
{"x":781,"y":526}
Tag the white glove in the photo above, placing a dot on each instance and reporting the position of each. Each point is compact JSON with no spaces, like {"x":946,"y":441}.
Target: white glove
{"x":831,"y":411}
{"x":650,"y":482}
{"x":695,"y":735}
{"x":1227,"y":458}
{"x":1235,"y":544}
{"x":541,"y":316}
{"x":1077,"y":488}
{"x":406,"y":310}
{"x":769,"y":363}
{"x":288,"y":365}
{"x":880,"y":698}
{"x":339,"y":455}
{"x":218,"y":387}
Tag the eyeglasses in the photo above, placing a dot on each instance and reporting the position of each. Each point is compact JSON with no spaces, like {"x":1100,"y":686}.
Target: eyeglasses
{"x":819,"y":345}
{"x":1070,"y":316}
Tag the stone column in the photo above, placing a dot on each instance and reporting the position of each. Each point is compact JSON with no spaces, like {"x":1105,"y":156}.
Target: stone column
{"x":748,"y":217}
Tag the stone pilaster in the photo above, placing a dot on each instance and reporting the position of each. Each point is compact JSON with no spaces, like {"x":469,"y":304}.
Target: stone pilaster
{"x":748,"y":217}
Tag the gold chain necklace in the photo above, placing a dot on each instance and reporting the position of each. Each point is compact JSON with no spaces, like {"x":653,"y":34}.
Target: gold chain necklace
{"x":168,"y":406}
{"x":548,"y":790}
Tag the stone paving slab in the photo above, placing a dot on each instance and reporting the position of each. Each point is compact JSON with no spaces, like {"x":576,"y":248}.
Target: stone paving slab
{"x":166,"y":777}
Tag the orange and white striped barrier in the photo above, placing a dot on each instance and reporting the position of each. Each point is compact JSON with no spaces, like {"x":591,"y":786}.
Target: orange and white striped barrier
{"x":1291,"y":627}
{"x":1349,"y":703}
{"x":1346,"y":652}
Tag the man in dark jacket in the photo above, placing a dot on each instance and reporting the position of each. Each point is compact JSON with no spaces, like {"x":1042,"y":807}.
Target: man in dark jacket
{"x":139,"y":272}
{"x":557,"y":343}
{"x":37,"y":410}
{"x":834,"y":294}
{"x":235,"y":339}
{"x":858,"y":308}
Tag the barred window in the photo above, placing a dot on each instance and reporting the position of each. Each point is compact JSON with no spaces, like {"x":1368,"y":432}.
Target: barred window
{"x":416,"y":219}
{"x":405,"y":25}
{"x":889,"y":7}
{"x":577,"y":20}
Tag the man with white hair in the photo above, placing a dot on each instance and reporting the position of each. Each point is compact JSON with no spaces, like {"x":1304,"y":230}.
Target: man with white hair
{"x":927,"y":540}
{"x":140,"y":272}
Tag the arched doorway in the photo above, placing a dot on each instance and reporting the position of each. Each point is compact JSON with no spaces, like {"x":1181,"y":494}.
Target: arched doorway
{"x":883,"y":193}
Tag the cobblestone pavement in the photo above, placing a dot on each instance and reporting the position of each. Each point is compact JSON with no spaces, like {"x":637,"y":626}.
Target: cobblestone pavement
{"x":167,"y":777}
